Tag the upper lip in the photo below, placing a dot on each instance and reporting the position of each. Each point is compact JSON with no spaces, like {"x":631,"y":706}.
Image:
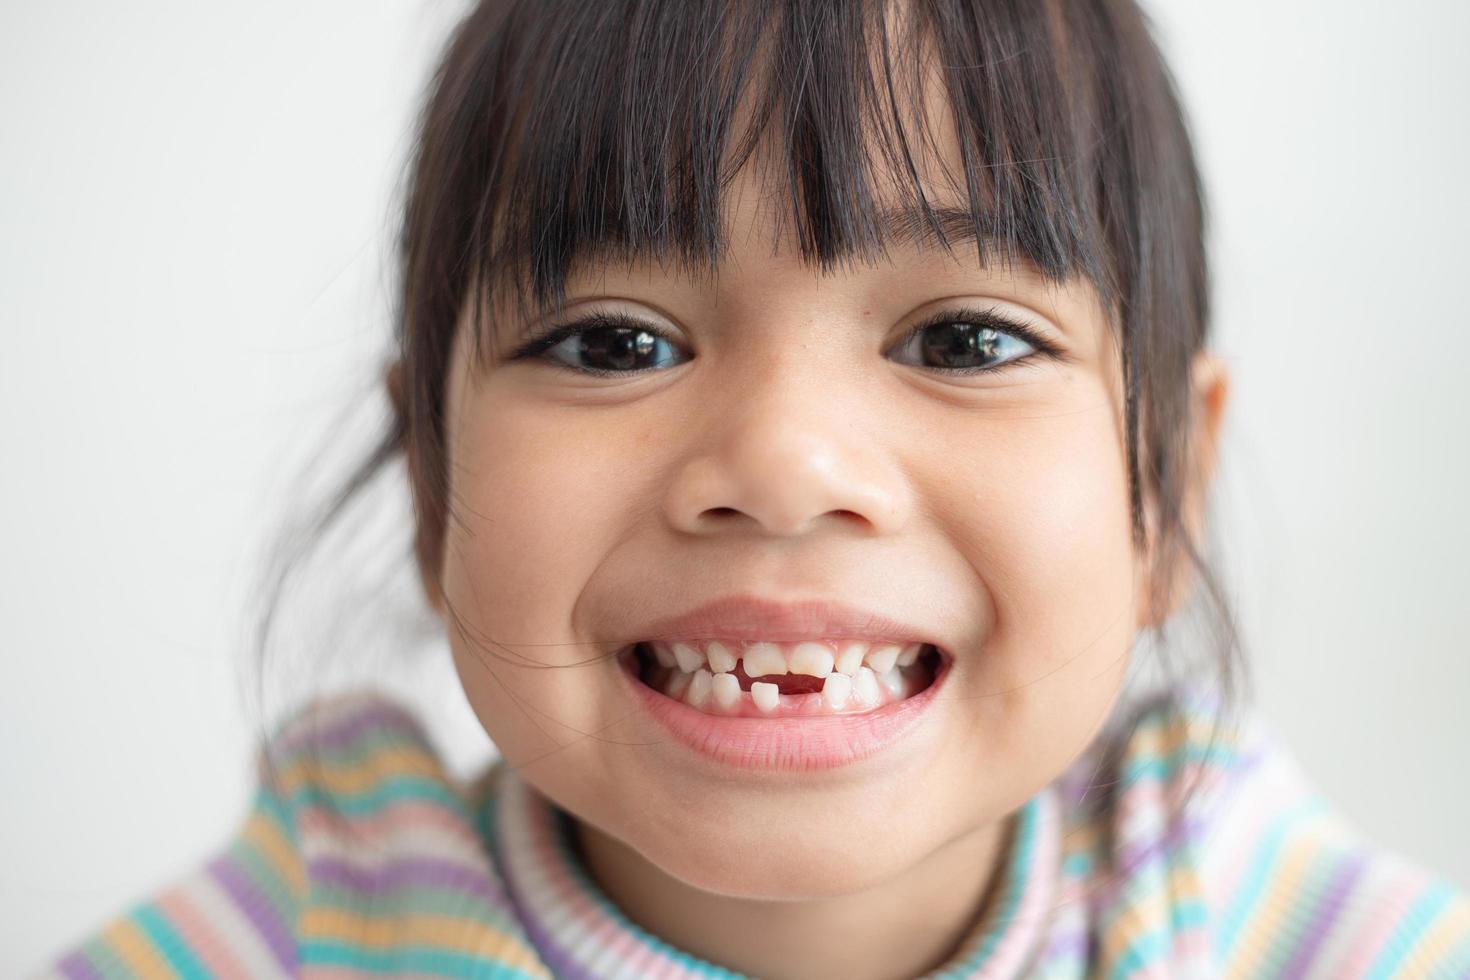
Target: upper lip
{"x":750,"y":618}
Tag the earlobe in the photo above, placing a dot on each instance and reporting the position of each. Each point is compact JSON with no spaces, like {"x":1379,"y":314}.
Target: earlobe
{"x":1209,"y":395}
{"x":1211,"y":387}
{"x":393,"y":384}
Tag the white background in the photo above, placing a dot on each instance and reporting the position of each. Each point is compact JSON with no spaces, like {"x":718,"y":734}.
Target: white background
{"x":195,"y":201}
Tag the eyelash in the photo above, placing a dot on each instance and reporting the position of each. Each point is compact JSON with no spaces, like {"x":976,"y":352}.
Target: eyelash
{"x":982,"y":318}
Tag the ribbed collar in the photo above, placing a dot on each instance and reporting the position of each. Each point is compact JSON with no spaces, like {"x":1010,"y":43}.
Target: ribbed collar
{"x":582,"y":935}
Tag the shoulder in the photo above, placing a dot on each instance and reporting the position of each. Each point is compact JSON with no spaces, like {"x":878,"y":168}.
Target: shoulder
{"x":1209,"y":845}
{"x":354,"y":832}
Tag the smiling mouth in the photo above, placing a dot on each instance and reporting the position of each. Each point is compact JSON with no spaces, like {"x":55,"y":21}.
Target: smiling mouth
{"x":732,"y":692}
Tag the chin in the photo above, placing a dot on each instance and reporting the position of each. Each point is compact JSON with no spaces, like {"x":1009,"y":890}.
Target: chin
{"x":788,"y":869}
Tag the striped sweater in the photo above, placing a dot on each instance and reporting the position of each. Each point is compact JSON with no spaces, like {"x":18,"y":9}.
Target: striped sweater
{"x":361,"y":856}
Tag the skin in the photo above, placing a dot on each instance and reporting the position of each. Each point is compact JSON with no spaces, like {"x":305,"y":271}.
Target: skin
{"x":798,"y":453}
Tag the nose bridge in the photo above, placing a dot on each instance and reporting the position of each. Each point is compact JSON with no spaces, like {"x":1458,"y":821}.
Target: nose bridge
{"x":785,"y":442}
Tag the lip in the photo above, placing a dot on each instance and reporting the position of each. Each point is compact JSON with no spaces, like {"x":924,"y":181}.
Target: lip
{"x":784,"y":744}
{"x":748,"y":617}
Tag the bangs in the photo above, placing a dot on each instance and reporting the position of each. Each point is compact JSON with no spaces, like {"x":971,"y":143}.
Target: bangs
{"x":610,"y":131}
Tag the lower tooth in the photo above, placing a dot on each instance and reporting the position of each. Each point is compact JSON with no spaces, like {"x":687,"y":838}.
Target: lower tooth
{"x":699,"y":688}
{"x":766,"y":695}
{"x":677,"y":683}
{"x":836,"y":690}
{"x":721,"y":692}
{"x":726,"y":689}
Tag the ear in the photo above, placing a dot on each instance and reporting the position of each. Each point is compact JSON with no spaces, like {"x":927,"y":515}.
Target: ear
{"x":393,"y":383}
{"x":1209,"y":395}
{"x":1211,"y":385}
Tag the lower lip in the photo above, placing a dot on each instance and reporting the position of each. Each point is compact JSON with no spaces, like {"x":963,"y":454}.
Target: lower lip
{"x":784,"y":744}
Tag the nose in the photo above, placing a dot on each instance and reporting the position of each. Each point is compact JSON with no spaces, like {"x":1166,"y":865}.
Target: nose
{"x":783,"y":455}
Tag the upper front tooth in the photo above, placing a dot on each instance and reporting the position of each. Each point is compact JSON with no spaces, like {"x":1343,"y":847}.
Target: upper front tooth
{"x":688,"y":657}
{"x":721,"y":660}
{"x":763,"y":658}
{"x":851,"y":658}
{"x":881,"y":658}
{"x":814,"y":659}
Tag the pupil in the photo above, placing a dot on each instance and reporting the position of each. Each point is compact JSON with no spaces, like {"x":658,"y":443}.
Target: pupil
{"x":963,"y":341}
{"x":620,"y":346}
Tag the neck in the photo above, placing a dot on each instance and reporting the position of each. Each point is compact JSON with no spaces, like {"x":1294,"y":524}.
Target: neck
{"x":905,"y":926}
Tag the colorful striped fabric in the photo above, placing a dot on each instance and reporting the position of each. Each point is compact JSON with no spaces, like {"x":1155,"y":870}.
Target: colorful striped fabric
{"x":361,"y":856}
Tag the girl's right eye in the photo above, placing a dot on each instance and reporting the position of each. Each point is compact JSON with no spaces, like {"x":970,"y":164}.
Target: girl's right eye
{"x":609,"y":344}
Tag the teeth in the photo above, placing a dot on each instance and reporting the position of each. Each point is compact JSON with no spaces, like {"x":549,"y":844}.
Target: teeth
{"x":678,"y":681}
{"x":851,"y":658}
{"x":727,"y":690}
{"x":837,"y":690}
{"x":699,"y":688}
{"x":812,"y":659}
{"x":763,"y":658}
{"x":882,"y":658}
{"x":720,"y":693}
{"x":856,"y":675}
{"x":766,"y":695}
{"x":721,"y":660}
{"x":688,"y":657}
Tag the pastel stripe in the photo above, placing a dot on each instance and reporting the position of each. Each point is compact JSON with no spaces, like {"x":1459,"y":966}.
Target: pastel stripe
{"x":1342,"y":877}
{"x":216,"y":959}
{"x":169,"y":944}
{"x":1437,"y":942}
{"x":1410,"y":928}
{"x":263,"y":915}
{"x":1386,"y":911}
{"x":76,"y":966}
{"x":133,"y":950}
{"x":361,"y":856}
{"x":1282,"y":897}
{"x":1246,"y":898}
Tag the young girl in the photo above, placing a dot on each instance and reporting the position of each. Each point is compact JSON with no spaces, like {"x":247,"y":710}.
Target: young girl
{"x":810,"y":423}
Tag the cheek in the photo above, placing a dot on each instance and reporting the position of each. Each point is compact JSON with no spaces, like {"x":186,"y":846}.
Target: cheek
{"x":526,"y":535}
{"x":1046,"y":531}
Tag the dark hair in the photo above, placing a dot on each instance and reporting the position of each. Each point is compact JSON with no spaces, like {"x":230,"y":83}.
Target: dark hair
{"x":555,"y":131}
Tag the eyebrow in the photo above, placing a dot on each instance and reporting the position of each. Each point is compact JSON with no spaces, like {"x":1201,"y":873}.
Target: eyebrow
{"x":911,"y":226}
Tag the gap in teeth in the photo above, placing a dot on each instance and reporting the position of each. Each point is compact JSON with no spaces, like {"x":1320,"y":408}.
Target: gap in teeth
{"x":856,"y":675}
{"x":815,"y":658}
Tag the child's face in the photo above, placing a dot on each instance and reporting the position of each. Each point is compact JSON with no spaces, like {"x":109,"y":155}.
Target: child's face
{"x":792,"y":450}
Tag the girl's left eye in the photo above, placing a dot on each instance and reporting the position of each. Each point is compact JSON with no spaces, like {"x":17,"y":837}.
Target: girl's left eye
{"x":985,"y":341}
